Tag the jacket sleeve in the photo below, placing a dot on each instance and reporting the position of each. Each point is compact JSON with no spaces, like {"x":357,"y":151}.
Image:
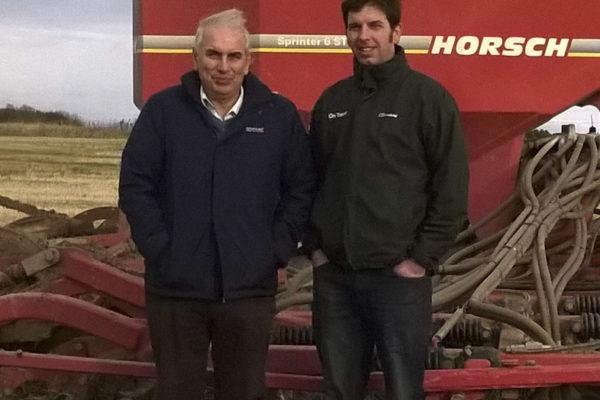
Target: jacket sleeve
{"x":446,"y":212}
{"x":142,"y":165}
{"x":297,"y":192}
{"x":311,"y":239}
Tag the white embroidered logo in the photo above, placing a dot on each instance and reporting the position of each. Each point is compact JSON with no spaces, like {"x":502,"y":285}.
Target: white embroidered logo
{"x":386,"y":115}
{"x":253,"y":129}
{"x":337,"y":115}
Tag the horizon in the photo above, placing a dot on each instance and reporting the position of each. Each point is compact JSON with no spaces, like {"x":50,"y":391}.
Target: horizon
{"x":84,"y":64}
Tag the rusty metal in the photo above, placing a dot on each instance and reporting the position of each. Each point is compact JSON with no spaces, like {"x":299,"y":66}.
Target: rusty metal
{"x":104,"y":219}
{"x":25,"y":208}
{"x":29,"y":266}
{"x":40,"y":261}
{"x":583,"y":303}
{"x":13,"y":243}
{"x":79,"y":314}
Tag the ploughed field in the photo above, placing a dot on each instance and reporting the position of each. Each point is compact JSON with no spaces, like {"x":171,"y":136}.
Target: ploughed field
{"x":65,"y":174}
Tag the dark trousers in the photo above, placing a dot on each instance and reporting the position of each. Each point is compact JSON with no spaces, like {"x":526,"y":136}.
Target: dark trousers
{"x":355,"y":312}
{"x":181,"y":331}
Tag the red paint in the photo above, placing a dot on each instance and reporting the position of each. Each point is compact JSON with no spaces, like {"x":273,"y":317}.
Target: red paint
{"x":84,"y":269}
{"x":500,"y":97}
{"x":304,"y":372}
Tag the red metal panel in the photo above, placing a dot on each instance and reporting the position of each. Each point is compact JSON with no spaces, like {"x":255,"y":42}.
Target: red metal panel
{"x":76,"y":364}
{"x":81,"y":267}
{"x":500,"y":96}
{"x":541,"y":85}
{"x":75,"y":313}
{"x":509,"y":84}
{"x":303,"y":373}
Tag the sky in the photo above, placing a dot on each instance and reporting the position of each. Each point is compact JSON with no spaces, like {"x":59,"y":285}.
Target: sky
{"x":68,"y":55}
{"x":581,"y":117}
{"x":77,"y":56}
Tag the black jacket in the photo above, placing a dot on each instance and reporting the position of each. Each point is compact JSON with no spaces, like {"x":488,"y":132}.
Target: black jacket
{"x":214,"y":218}
{"x":393,"y":168}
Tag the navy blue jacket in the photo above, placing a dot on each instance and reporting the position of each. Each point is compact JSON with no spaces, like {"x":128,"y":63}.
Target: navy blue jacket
{"x":215,"y":218}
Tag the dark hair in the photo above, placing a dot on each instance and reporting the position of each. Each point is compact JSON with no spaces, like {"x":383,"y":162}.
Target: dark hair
{"x":391,"y":9}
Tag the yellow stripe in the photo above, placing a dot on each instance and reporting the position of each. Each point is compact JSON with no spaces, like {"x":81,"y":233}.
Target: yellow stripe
{"x":584,"y":54}
{"x":272,"y":50}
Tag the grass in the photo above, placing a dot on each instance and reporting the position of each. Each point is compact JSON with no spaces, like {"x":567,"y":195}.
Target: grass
{"x":65,"y":174}
{"x":40,"y":129}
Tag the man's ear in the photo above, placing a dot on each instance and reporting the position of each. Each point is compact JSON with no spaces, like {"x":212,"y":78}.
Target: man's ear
{"x":250,"y":61}
{"x":194,"y":54}
{"x":397,"y":32}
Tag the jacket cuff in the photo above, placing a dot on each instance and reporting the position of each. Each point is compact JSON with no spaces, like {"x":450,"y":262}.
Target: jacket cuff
{"x":285,"y":245}
{"x":424,"y":261}
{"x":311,"y":241}
{"x":154,"y":246}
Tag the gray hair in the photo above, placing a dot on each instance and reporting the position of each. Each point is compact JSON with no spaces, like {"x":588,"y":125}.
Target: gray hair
{"x":232,"y":18}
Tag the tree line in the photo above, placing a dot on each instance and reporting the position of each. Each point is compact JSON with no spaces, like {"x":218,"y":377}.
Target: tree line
{"x":29,"y":114}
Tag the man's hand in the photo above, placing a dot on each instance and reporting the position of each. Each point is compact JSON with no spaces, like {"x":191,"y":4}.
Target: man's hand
{"x":409,"y":269}
{"x":318,"y":258}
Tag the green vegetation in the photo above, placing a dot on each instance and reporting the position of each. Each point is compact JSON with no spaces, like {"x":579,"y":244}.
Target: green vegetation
{"x":30,"y":114}
{"x":27,"y":121}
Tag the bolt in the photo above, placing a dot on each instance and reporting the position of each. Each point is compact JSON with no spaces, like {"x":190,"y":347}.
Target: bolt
{"x":576,"y":327}
{"x":569,"y":306}
{"x":486,"y":334}
{"x":51,"y":255}
{"x":468,"y":351}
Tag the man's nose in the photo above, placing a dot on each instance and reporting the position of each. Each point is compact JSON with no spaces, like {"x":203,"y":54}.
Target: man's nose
{"x":363,"y":34}
{"x":223,"y":65}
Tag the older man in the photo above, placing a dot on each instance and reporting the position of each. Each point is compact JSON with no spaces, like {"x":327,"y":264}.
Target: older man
{"x":393,"y":195}
{"x":216,"y":182}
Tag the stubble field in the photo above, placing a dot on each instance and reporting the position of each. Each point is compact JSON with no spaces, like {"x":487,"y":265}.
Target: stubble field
{"x":64,"y":174}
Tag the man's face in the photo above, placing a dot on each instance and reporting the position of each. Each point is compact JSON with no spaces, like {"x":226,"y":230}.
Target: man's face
{"x":370,"y":36}
{"x":222,"y":62}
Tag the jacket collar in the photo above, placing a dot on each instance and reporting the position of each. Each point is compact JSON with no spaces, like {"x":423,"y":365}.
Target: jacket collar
{"x":255,"y":91}
{"x":370,"y":76}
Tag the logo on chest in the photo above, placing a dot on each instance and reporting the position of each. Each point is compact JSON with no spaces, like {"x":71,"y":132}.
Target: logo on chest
{"x":255,"y":129}
{"x":334,"y":115}
{"x":386,"y":115}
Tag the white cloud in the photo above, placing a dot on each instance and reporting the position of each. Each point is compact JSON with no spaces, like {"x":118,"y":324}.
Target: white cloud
{"x":81,"y":68}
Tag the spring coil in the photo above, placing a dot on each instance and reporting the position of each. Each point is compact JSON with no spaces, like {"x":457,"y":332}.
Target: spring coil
{"x":466,"y":331}
{"x":590,"y":323}
{"x":587,"y":304}
{"x":292,"y":335}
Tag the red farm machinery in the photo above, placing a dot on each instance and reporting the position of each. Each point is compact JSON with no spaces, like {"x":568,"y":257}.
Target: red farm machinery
{"x":517,"y":303}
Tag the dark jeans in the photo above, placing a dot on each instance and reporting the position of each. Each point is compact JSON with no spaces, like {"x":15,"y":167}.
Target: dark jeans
{"x":356,"y":311}
{"x":181,"y":331}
